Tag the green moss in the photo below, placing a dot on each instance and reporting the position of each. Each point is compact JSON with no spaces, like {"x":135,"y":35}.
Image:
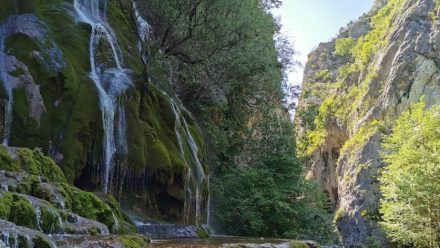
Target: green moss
{"x":126,"y":33}
{"x":7,"y":163}
{"x":66,"y":94}
{"x":18,"y":72}
{"x":23,"y":241}
{"x":157,"y":148}
{"x":5,"y":204}
{"x":40,"y":242}
{"x":125,"y":224}
{"x":28,"y":184}
{"x":159,"y":157}
{"x":298,"y":244}
{"x":202,"y":233}
{"x":134,"y":241}
{"x":24,"y":213}
{"x":50,"y":220}
{"x":34,"y":162}
{"x":93,"y":231}
{"x":88,"y":205}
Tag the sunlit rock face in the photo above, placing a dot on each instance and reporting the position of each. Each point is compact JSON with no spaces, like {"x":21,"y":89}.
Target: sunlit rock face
{"x":398,"y":67}
{"x":73,"y":85}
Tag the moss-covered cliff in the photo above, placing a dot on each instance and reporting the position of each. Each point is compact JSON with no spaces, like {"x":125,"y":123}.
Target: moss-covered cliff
{"x":56,"y":106}
{"x":354,"y":88}
{"x":36,"y":200}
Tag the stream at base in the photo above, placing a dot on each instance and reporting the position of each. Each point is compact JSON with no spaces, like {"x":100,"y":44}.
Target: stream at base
{"x":220,"y":242}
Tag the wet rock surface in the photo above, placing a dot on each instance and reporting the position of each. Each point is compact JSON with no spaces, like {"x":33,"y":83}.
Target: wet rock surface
{"x":167,"y":231}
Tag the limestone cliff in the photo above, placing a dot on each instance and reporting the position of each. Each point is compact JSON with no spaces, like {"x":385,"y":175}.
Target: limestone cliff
{"x":354,"y":87}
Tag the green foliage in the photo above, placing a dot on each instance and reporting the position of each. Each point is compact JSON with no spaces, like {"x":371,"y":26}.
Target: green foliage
{"x":270,"y":197}
{"x":317,"y":135}
{"x":410,"y":183}
{"x":129,"y":241}
{"x":344,"y":46}
{"x":226,"y":43}
{"x":360,"y":138}
{"x":381,"y":24}
{"x":373,"y":243}
{"x":350,"y":102}
{"x":323,"y":75}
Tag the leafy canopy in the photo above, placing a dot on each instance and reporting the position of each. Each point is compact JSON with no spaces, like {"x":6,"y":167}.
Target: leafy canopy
{"x":410,"y":182}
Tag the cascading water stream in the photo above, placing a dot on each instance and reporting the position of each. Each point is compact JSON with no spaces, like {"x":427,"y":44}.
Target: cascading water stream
{"x":143,"y":31}
{"x":196,"y":171}
{"x":8,"y":88}
{"x":30,"y":26}
{"x":110,"y":78}
{"x":195,"y":174}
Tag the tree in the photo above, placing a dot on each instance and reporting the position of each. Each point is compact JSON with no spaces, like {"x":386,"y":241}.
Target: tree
{"x":410,"y":183}
{"x":270,"y":197}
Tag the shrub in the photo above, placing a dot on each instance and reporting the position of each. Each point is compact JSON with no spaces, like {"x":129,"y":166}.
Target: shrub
{"x":344,"y":46}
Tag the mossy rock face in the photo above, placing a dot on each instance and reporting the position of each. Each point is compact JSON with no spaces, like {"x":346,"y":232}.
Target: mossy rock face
{"x":32,"y":162}
{"x":71,"y":121}
{"x":18,"y":236}
{"x":88,"y":205}
{"x":70,"y":129}
{"x":22,"y":212}
{"x":5,"y":204}
{"x":54,"y":202}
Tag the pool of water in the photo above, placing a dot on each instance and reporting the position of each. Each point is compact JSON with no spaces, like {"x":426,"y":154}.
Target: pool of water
{"x":221,"y":242}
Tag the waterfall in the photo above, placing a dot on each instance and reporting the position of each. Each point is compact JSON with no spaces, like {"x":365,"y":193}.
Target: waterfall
{"x":143,"y":30}
{"x":37,"y":215}
{"x":110,"y":78}
{"x":50,"y":56}
{"x":196,"y":174}
{"x":7,"y":87}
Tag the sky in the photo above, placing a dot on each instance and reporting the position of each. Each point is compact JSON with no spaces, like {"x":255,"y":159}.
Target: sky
{"x":309,"y":22}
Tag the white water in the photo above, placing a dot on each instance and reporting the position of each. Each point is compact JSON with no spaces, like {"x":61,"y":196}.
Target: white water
{"x":7,"y":87}
{"x":110,"y":81}
{"x":50,"y":55}
{"x":196,"y":173}
{"x":143,"y":30}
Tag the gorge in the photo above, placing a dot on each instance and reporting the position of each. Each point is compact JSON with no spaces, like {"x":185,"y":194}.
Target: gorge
{"x":125,"y":123}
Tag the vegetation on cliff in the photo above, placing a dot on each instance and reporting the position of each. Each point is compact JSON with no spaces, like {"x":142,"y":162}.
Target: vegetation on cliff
{"x":220,"y":59}
{"x":230,"y":74}
{"x":379,"y":172}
